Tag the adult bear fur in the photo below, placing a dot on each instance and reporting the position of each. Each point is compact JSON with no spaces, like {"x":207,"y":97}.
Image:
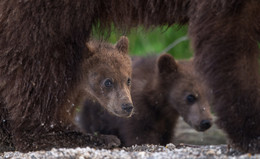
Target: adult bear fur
{"x":41,"y":51}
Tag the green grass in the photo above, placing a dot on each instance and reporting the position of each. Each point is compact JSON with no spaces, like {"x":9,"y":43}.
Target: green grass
{"x":155,"y":41}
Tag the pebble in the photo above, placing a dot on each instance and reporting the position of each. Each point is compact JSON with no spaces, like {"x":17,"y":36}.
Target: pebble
{"x":170,"y":146}
{"x":210,"y":152}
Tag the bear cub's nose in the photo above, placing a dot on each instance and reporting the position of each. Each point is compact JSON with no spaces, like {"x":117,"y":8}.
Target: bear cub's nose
{"x":127,"y":107}
{"x":205,"y":124}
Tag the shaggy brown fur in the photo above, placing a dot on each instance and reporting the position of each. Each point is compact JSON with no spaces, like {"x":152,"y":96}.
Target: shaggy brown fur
{"x":41,"y":52}
{"x":160,"y":95}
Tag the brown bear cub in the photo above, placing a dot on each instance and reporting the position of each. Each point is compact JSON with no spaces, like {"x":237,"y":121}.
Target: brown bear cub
{"x":106,"y":76}
{"x":162,"y":90}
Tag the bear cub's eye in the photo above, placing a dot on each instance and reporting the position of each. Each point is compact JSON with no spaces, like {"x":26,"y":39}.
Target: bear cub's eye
{"x":191,"y":99}
{"x":128,"y":81}
{"x":108,"y":83}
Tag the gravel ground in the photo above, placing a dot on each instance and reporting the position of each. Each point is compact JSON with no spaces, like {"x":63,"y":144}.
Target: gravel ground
{"x":213,"y":138}
{"x":134,"y":152}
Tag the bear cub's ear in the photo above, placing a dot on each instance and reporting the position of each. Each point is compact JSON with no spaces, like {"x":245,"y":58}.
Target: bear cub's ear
{"x":167,"y":64}
{"x":122,"y":44}
{"x":91,"y":46}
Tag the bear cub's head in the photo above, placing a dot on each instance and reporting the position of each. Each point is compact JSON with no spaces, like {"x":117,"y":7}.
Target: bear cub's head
{"x":108,"y":76}
{"x":186,"y":91}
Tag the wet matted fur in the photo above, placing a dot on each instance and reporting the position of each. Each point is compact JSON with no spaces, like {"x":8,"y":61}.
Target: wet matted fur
{"x":41,"y":51}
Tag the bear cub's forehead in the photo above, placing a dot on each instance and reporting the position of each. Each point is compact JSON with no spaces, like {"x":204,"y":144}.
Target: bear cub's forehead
{"x":115,"y":72}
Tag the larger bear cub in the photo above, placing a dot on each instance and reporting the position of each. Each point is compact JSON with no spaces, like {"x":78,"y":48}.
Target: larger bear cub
{"x":162,"y":90}
{"x":106,"y":75}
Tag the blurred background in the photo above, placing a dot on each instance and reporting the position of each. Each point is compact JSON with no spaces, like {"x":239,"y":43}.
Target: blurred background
{"x":155,"y":40}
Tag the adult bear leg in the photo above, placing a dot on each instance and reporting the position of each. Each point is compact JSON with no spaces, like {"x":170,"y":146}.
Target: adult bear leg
{"x":226,"y":53}
{"x":40,"y":55}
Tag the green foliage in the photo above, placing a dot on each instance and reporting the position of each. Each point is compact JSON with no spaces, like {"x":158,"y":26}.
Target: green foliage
{"x":144,"y":42}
